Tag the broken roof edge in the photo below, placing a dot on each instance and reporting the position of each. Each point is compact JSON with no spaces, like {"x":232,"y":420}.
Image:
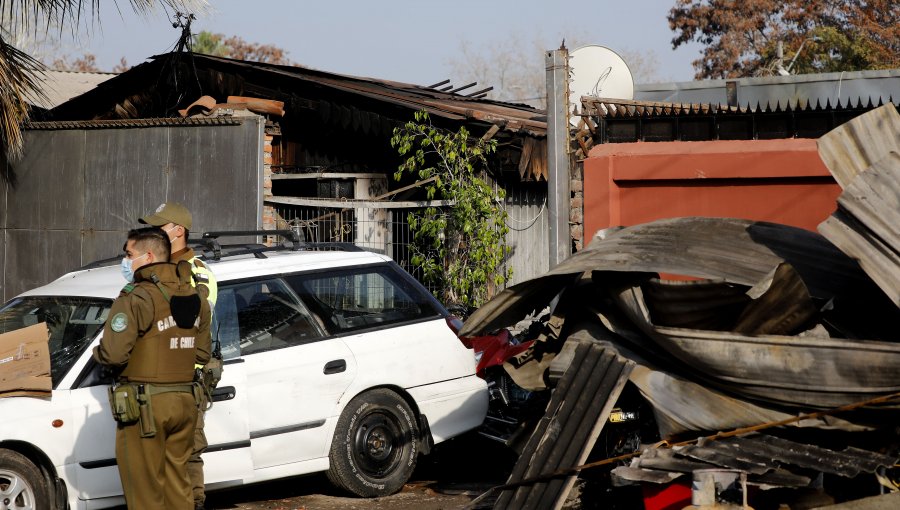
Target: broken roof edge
{"x":509,"y":117}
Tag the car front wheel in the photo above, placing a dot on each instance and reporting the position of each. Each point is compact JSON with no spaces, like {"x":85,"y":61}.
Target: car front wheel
{"x":21,"y":484}
{"x":374,"y":449}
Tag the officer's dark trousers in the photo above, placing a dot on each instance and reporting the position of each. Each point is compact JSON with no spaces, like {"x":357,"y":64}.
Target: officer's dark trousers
{"x":154,"y":470}
{"x":195,"y":463}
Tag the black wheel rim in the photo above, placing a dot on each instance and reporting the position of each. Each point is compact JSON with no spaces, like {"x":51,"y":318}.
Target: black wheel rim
{"x":378,"y":444}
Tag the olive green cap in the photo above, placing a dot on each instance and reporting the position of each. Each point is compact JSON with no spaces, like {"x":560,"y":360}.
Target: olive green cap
{"x":170,"y":212}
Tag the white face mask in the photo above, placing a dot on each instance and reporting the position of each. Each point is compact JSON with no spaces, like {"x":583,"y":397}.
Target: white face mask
{"x":171,"y":229}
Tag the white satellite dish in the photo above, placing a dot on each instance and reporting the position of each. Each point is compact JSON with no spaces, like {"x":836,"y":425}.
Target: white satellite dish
{"x":600,"y":72}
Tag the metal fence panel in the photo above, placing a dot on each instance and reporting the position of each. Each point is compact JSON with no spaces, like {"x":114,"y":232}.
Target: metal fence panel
{"x":78,"y":191}
{"x":124,"y":172}
{"x":387,"y":230}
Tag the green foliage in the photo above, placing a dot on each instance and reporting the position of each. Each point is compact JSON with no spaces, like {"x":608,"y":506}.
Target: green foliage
{"x":460,"y":248}
{"x":209,"y":43}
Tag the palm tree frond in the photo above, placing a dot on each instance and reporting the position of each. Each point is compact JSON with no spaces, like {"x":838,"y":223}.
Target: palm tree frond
{"x":20,"y":81}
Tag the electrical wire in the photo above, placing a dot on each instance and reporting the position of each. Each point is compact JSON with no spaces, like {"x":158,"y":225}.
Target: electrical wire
{"x":530,"y":222}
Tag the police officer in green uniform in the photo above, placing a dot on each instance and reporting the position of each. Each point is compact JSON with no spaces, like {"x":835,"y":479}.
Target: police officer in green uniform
{"x":175,"y":219}
{"x":157,"y":331}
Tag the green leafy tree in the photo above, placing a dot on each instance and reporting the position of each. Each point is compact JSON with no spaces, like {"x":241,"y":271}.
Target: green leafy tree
{"x":460,"y":248}
{"x":741,"y":38}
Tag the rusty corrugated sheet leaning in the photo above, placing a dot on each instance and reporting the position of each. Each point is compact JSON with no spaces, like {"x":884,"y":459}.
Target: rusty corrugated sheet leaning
{"x":864,"y":157}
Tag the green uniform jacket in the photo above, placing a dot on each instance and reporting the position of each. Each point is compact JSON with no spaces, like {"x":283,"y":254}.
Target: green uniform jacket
{"x":141,"y":335}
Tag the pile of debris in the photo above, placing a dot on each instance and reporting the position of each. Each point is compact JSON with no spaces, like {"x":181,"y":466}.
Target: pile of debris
{"x":784,"y":336}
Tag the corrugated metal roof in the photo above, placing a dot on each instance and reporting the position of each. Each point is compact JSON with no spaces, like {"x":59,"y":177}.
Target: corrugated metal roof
{"x":864,"y":157}
{"x":60,"y":86}
{"x":579,"y":407}
{"x":767,"y":459}
{"x":620,"y":108}
{"x":821,"y":87}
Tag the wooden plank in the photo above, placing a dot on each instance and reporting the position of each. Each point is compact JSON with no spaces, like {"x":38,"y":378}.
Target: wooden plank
{"x":359,"y":204}
{"x":327,"y":175}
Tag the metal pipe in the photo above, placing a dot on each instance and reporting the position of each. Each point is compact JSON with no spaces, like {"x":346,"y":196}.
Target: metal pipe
{"x":558,"y":154}
{"x":457,"y":89}
{"x":481,"y":92}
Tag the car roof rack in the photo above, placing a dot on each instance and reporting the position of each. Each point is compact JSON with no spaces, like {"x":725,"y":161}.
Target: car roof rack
{"x":208,"y":245}
{"x":213,"y":250}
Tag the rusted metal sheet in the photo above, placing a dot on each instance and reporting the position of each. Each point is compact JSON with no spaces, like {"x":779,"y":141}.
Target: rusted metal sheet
{"x":730,"y":250}
{"x":575,"y":416}
{"x":682,"y":406}
{"x":867,"y":224}
{"x":851,"y":148}
{"x":864,"y":157}
{"x":681,"y":400}
{"x":875,"y":256}
{"x":806,"y":371}
{"x":698,"y":304}
{"x":768,"y":460}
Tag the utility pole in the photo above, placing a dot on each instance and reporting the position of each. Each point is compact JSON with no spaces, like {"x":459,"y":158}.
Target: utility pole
{"x":558,"y":194}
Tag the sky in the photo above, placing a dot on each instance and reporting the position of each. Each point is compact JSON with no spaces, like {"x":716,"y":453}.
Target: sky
{"x":411,"y":41}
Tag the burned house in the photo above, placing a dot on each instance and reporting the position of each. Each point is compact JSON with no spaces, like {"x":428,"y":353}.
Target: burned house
{"x":248,"y":146}
{"x":759,"y":349}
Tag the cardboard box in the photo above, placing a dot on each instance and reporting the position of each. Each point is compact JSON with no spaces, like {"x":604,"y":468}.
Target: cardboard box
{"x":25,"y":362}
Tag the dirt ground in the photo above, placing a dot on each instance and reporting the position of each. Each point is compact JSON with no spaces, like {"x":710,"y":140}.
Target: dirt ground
{"x":451,"y":477}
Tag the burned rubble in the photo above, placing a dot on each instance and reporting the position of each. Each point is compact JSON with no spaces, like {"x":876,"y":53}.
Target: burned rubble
{"x":759,"y":349}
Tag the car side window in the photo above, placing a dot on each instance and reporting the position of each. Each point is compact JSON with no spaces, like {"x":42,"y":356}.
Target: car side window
{"x":360,"y":298}
{"x":262,"y":315}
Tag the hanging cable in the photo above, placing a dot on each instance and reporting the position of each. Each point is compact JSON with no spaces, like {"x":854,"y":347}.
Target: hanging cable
{"x":530,"y":222}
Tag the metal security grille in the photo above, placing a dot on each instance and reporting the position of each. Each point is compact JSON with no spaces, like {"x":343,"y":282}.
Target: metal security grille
{"x":380,"y":230}
{"x":386,"y":230}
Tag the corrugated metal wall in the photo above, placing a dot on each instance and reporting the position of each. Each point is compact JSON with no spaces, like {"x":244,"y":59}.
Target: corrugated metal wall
{"x":529,"y":231}
{"x":76,"y":192}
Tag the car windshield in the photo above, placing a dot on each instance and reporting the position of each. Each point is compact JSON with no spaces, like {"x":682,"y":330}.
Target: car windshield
{"x":72,"y":323}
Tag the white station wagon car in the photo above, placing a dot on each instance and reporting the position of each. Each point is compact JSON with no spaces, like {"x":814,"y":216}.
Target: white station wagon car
{"x":334,"y":361}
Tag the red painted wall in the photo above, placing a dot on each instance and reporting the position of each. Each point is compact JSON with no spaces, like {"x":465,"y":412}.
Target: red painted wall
{"x":781,"y":181}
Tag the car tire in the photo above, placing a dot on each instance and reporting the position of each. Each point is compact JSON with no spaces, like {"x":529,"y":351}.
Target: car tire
{"x":375,"y":445}
{"x":21,"y":483}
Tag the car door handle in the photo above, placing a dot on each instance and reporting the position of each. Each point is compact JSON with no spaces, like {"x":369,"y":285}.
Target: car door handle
{"x":223,"y":393}
{"x":335,"y":367}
